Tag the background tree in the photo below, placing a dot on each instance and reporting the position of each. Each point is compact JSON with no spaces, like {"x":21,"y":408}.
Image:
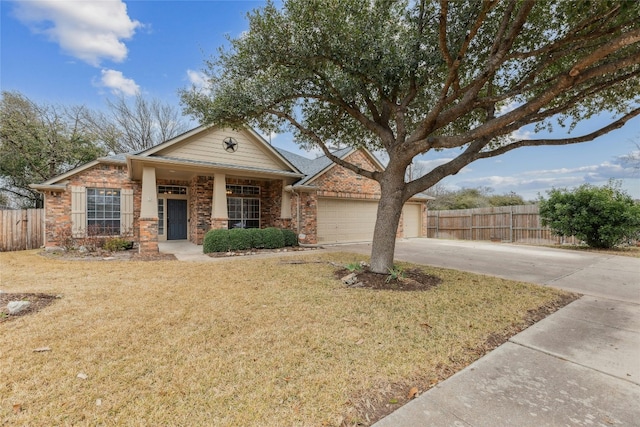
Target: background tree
{"x":468,"y":198}
{"x":128,"y":127}
{"x":38,"y":142}
{"x":408,"y":77}
{"x":603,"y":217}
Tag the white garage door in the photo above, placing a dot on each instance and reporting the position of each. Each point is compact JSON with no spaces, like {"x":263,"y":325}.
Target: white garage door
{"x":341,"y":220}
{"x":412,"y":219}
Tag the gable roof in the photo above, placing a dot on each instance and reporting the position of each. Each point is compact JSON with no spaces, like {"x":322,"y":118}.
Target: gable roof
{"x":169,"y":147}
{"x":313,"y":168}
{"x":298,"y":166}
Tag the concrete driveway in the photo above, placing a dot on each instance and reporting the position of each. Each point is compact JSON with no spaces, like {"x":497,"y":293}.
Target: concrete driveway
{"x":578,"y":367}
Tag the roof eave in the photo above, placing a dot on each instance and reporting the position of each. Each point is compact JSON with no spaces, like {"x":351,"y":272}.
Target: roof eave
{"x":48,"y":187}
{"x":203,"y":167}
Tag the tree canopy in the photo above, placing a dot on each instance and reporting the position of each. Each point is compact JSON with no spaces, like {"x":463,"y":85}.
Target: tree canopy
{"x":408,"y":77}
{"x":38,"y":142}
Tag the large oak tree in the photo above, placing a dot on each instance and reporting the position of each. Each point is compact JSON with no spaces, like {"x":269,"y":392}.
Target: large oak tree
{"x":408,"y":77}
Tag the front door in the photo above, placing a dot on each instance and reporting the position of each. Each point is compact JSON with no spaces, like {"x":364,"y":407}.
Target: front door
{"x":176,"y":219}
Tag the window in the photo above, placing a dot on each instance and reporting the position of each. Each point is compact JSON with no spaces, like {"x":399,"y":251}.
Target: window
{"x":243,"y":212}
{"x":160,"y":216}
{"x":243,"y":190}
{"x":171,"y":189}
{"x":103,"y":211}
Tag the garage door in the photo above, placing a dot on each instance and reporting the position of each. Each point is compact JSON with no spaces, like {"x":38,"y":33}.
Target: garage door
{"x":341,"y":220}
{"x":411,"y":214}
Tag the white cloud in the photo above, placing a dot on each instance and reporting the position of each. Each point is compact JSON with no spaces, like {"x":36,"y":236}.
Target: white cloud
{"x":199,"y":80}
{"x":88,"y":30}
{"x":520,"y":134}
{"x":118,"y":83}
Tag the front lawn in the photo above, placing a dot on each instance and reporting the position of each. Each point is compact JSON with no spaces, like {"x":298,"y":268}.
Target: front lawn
{"x":240,"y":342}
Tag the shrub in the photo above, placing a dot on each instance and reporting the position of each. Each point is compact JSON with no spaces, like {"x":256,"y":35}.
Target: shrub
{"x":216,"y":241}
{"x":239,"y":239}
{"x":116,"y":244}
{"x":257,"y":237}
{"x":273,"y":238}
{"x":603,"y":217}
{"x":65,"y":238}
{"x":290,"y":237}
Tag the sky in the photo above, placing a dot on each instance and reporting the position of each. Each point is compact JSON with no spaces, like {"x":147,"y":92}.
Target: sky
{"x":85,"y":52}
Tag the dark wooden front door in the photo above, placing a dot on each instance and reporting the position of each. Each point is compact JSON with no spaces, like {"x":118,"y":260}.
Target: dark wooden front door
{"x":176,"y":219}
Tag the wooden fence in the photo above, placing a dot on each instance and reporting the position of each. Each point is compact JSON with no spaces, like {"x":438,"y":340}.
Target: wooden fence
{"x":21,"y":229}
{"x":501,"y":224}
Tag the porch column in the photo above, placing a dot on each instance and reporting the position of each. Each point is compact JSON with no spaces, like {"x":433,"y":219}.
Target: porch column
{"x":148,"y":212}
{"x":219,"y":214}
{"x":285,"y":204}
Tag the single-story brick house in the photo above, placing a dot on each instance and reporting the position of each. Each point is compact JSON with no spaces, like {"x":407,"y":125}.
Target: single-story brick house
{"x":213,"y":177}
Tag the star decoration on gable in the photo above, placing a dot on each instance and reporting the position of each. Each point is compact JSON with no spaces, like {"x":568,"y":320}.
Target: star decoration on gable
{"x":230,"y":145}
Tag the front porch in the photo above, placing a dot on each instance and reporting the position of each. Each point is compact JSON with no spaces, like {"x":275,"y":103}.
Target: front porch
{"x":186,"y":204}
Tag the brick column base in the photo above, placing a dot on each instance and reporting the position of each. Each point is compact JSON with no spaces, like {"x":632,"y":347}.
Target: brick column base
{"x":284,"y":223}
{"x":148,"y":236}
{"x":219,"y":223}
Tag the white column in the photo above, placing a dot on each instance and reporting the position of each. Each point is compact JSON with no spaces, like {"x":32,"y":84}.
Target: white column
{"x":149,"y":204}
{"x":219,"y":202}
{"x":285,"y":204}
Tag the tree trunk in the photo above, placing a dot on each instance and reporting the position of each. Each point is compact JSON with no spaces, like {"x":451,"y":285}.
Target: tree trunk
{"x":389,"y":211}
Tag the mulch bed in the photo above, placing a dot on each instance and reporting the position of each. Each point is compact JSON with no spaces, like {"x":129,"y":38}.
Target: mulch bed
{"x":38,"y":302}
{"x":128,"y":255}
{"x":413,"y":279}
{"x":255,"y":251}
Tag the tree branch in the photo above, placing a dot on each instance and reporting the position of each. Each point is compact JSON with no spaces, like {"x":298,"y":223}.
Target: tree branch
{"x":567,"y":141}
{"x":375,"y":175}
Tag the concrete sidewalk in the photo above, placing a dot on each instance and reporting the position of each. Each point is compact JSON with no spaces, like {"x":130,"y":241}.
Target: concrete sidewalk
{"x":579,"y":367}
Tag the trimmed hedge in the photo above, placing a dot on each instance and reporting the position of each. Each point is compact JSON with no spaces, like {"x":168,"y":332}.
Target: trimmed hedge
{"x":290,"y":237}
{"x":216,"y":241}
{"x":257,"y":238}
{"x":240,"y":239}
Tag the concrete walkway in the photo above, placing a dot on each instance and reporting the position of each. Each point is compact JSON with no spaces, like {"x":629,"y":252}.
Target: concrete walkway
{"x":578,"y":367}
{"x":184,"y":250}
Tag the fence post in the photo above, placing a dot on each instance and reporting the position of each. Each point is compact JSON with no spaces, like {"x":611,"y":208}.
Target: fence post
{"x":511,"y":225}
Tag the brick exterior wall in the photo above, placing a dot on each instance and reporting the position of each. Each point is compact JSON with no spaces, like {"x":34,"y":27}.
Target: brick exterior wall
{"x":58,"y":204}
{"x":200,"y":204}
{"x":344,"y":183}
{"x":148,"y":243}
{"x":307,"y":229}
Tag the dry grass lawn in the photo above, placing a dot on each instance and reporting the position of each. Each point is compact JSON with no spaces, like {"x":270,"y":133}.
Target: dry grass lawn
{"x":244,"y":342}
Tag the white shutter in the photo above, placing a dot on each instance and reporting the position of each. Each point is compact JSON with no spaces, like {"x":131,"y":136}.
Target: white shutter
{"x":78,"y":211}
{"x":126,"y":211}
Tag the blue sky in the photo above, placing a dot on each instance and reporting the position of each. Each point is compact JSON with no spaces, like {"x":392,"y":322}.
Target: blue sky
{"x":81,"y":53}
